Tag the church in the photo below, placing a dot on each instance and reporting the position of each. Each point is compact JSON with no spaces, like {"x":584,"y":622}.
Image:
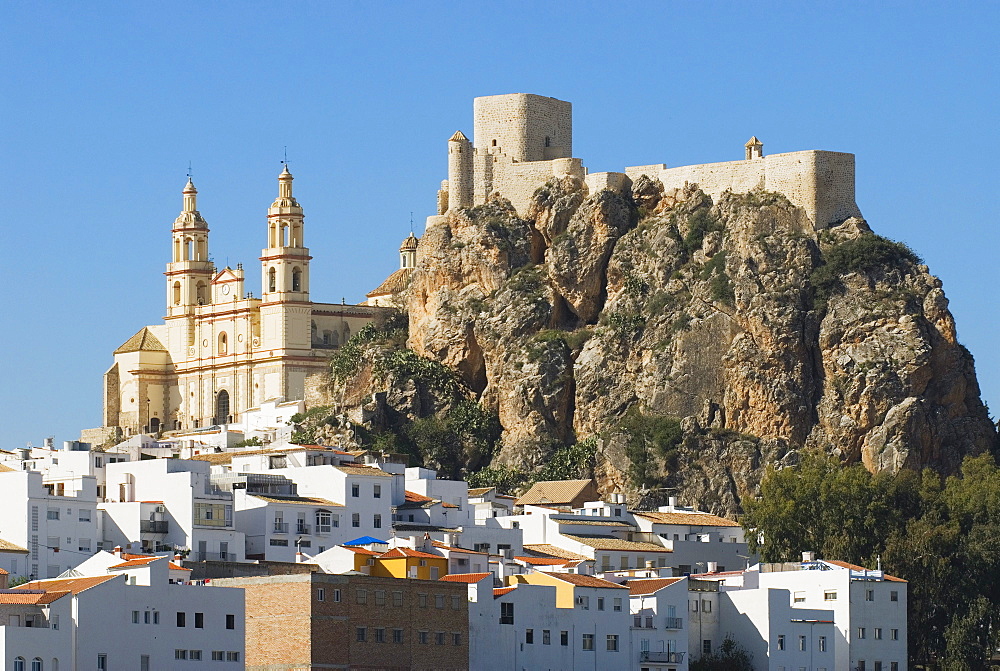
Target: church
{"x":220,"y":350}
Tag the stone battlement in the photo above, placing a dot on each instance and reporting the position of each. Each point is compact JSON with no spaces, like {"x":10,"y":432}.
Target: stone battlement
{"x":522,"y":140}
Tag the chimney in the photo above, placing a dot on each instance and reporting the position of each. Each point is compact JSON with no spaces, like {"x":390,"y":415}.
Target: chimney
{"x":299,"y":557}
{"x":178,"y":559}
{"x":649,"y":564}
{"x":808,"y":556}
{"x":117,"y":551}
{"x":713,"y":567}
{"x":672,"y":501}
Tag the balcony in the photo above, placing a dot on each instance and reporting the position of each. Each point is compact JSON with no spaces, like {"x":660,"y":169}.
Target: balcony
{"x":640,"y":622}
{"x":662,"y":657}
{"x":153,"y":526}
{"x":674,"y":623}
{"x":302,"y":529}
{"x":280,"y":528}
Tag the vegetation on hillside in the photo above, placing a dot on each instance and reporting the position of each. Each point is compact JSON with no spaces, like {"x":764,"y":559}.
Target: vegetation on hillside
{"x":942,"y":535}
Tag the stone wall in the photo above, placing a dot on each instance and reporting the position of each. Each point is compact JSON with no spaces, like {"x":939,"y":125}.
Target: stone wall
{"x":518,"y":125}
{"x":821,"y":182}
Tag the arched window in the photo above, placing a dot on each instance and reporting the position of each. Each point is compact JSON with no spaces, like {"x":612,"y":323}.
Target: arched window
{"x":55,"y":664}
{"x":188,"y":249}
{"x":296,"y":279}
{"x":201,"y":293}
{"x":223,"y":344}
{"x":19,"y":664}
{"x":36,"y":664}
{"x":272,"y":280}
{"x":222,"y":407}
{"x":177,"y":293}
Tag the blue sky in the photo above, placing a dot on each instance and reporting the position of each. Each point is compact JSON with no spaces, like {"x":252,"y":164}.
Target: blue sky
{"x":105,"y":103}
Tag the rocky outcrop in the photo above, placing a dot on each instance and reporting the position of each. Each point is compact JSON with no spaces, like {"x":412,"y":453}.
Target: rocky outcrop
{"x":762,"y":335}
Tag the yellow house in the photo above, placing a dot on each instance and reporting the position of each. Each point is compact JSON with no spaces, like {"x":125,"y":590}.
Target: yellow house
{"x":407,"y":563}
{"x":566,"y":584}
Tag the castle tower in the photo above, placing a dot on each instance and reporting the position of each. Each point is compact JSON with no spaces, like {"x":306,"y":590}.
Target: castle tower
{"x":189,"y":272}
{"x":285,"y":261}
{"x":459,"y":171}
{"x":523,"y":126}
{"x":755,"y":148}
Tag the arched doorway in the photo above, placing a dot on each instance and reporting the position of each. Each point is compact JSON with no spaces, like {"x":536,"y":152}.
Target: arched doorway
{"x":154,"y":424}
{"x":222,"y":407}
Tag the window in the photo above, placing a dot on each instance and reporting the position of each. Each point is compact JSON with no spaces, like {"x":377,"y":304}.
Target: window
{"x":861,"y":665}
{"x":143,"y":662}
{"x":422,"y":600}
{"x":218,"y":655}
{"x":135,"y":617}
{"x":893,"y":666}
{"x":588,"y":642}
{"x":231,"y":619}
{"x":781,"y":641}
{"x":583,"y":602}
{"x":529,"y":636}
{"x":869,"y":595}
{"x":379,"y":635}
{"x":378,"y":522}
{"x":456,"y":639}
{"x":380,"y":597}
{"x":706,"y":606}
{"x":546,"y":637}
{"x":361,"y":596}
{"x":397,"y":635}
{"x":355,"y":490}
{"x":324,"y":522}
{"x":878,"y":633}
{"x":180,"y":620}
{"x":233,"y":656}
{"x":194,"y":654}
{"x":422,"y":637}
{"x":706,"y":647}
{"x":19,"y":664}
{"x":271,"y":276}
{"x":612,"y":642}
{"x":279,"y":542}
{"x":336,"y":596}
{"x":361,"y":634}
{"x":894,"y":634}
{"x":802,"y":642}
{"x":320,"y":595}
{"x":878,"y":666}
{"x":356,"y":519}
{"x":798,"y":597}
{"x":830,"y":595}
{"x":199,"y":620}
{"x":861,"y":632}
{"x":156,"y":617}
{"x":52,"y":514}
{"x":693,"y":605}
{"x":378,"y":491}
{"x":83,"y":515}
{"x":618,"y":604}
{"x":397,"y":598}
{"x":146,"y":616}
{"x":822,"y":644}
{"x":180,"y":654}
{"x":36,"y":664}
{"x":600,"y":603}
{"x":563,"y":638}
{"x":893,"y":595}
{"x":507,"y":613}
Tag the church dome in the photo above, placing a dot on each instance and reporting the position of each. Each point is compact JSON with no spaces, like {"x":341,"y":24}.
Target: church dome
{"x":410,"y":244}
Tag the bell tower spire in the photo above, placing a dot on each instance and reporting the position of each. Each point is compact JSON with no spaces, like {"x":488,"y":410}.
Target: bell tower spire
{"x":285,"y":261}
{"x":189,"y":272}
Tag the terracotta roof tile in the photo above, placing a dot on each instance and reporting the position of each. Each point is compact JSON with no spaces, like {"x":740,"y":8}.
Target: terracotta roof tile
{"x":546,"y":550}
{"x":399,"y":553}
{"x":480,"y":491}
{"x":393,"y":284}
{"x":500,"y":591}
{"x":7,"y":546}
{"x":585,"y":580}
{"x":692,"y":519}
{"x":543,"y":561}
{"x":439,"y":544}
{"x":855,"y":567}
{"x":74,"y":585}
{"x":4,"y":468}
{"x":466,"y":577}
{"x":649,"y":586}
{"x":32,"y":598}
{"x":303,"y":500}
{"x":596,"y":523}
{"x":363,"y":470}
{"x":612,"y":543}
{"x":143,"y":341}
{"x":554,"y":491}
{"x":361,"y":551}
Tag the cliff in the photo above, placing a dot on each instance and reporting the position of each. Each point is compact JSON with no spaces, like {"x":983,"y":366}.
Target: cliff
{"x":681,"y":344}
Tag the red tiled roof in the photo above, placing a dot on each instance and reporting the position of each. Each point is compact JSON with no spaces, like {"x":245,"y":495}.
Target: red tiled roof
{"x":74,"y":585}
{"x":32,"y":598}
{"x":413,"y":497}
{"x":585,"y":580}
{"x":360,"y":550}
{"x":649,"y":586}
{"x":399,"y":553}
{"x":693,"y":519}
{"x":466,"y":577}
{"x":351,"y":469}
{"x":855,"y":567}
{"x":543,"y":561}
{"x":439,"y":544}
{"x":500,"y":591}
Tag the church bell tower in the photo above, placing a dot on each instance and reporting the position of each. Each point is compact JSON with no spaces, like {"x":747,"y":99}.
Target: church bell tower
{"x":189,"y":272}
{"x":285,"y":261}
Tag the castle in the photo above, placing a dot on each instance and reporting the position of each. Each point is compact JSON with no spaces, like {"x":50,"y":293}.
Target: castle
{"x":220,"y":350}
{"x":522,"y":140}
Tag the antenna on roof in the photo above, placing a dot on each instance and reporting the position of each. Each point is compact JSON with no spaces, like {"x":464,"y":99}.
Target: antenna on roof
{"x":411,"y":222}
{"x":189,"y":170}
{"x":284,"y":161}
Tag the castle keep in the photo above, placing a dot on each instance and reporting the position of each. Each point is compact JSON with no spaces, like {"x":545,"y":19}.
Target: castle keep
{"x":220,"y":350}
{"x":521,"y":140}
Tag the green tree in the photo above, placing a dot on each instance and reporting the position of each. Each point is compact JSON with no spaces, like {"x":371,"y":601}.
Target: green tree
{"x":730,"y":657}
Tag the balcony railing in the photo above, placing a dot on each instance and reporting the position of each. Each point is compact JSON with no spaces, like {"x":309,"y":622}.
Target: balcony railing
{"x":153,"y":526}
{"x":674,"y":623}
{"x":662,"y":657}
{"x":280,"y":528}
{"x":301,"y":529}
{"x":213,"y":556}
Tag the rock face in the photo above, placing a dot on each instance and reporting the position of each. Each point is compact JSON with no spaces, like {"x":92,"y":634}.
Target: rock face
{"x":762,"y":335}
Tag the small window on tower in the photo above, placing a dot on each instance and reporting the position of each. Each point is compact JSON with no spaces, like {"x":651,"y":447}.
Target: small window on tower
{"x":177,"y":293}
{"x":296,"y":279}
{"x":201,"y":293}
{"x":272,"y":277}
{"x":223,"y":344}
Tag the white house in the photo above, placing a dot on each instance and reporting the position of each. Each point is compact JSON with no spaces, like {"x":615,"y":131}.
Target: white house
{"x":658,"y":606}
{"x":56,"y":521}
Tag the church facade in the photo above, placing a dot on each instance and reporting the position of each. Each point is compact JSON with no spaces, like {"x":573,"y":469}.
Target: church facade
{"x":220,"y":350}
